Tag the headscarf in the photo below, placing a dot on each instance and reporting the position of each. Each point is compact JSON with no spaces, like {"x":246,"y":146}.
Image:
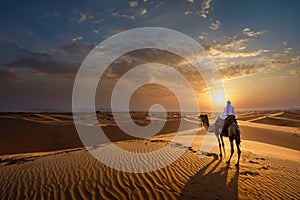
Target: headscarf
{"x":228,"y":110}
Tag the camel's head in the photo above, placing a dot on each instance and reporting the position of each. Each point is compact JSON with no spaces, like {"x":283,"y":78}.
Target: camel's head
{"x":204,"y":119}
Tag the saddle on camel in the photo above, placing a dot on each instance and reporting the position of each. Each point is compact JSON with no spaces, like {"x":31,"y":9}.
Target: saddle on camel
{"x":229,"y":120}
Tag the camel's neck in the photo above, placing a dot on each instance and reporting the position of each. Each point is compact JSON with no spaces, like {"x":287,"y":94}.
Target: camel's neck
{"x":205,"y":121}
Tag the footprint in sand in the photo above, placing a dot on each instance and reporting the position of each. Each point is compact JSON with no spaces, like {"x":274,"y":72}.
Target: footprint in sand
{"x":215,"y":156}
{"x":157,"y":141}
{"x":253,"y":162}
{"x":256,"y":162}
{"x":246,"y":173}
{"x":192,"y":150}
{"x":17,"y":161}
{"x":189,"y":148}
{"x":260,"y":158}
{"x":264,"y":168}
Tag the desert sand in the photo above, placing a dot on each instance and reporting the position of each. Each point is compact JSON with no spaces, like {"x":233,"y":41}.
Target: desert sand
{"x":42,"y":157}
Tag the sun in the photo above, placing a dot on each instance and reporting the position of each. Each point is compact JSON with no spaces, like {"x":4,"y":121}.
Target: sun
{"x":217,"y":97}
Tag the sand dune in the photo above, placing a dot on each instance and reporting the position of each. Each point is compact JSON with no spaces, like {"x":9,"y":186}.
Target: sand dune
{"x":76,"y":174}
{"x":257,"y":115}
{"x":291,"y":115}
{"x":278,"y":121}
{"x":22,"y":133}
{"x":47,"y":161}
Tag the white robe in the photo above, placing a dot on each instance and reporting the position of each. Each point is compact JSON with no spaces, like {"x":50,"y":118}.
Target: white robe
{"x":228,"y":110}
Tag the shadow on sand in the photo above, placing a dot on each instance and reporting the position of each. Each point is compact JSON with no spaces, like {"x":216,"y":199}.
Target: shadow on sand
{"x":216,"y":180}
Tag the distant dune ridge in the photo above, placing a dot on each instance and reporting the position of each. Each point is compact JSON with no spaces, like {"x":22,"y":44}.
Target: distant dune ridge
{"x":42,"y":157}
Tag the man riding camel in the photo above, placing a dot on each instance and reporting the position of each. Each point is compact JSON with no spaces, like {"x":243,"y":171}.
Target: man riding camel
{"x":230,"y":117}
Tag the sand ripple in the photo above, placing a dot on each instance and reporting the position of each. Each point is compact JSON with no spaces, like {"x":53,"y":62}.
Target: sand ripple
{"x":77,"y":175}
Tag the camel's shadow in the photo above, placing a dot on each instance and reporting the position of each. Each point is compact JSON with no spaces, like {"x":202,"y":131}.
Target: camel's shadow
{"x":216,"y":180}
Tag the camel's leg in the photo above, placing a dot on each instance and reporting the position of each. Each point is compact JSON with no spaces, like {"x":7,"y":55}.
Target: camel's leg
{"x":223,"y":144}
{"x":239,"y":153}
{"x":219,"y":146}
{"x":232,"y":151}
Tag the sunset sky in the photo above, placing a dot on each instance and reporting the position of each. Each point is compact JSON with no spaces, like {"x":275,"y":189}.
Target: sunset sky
{"x":255,"y":45}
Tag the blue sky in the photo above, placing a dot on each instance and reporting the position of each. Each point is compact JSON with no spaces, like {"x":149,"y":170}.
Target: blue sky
{"x":42,"y":44}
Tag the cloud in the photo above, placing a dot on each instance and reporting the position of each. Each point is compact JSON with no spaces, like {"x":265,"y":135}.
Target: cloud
{"x":241,"y":70}
{"x":42,"y":63}
{"x":287,"y":50}
{"x":128,"y":61}
{"x":286,"y":53}
{"x":250,"y":33}
{"x":188,"y":12}
{"x":12,"y":51}
{"x":215,"y":25}
{"x":216,"y":53}
{"x":83,"y":17}
{"x":286,"y":61}
{"x":28,"y":33}
{"x":203,"y":36}
{"x":97,"y":21}
{"x":133,"y":4}
{"x":117,"y":14}
{"x":193,"y":10}
{"x":143,"y":11}
{"x":232,"y":47}
{"x":96,"y":31}
{"x":76,"y":38}
{"x":71,"y":37}
{"x":6,"y":74}
{"x":76,"y":49}
{"x":263,"y":65}
{"x":205,"y":6}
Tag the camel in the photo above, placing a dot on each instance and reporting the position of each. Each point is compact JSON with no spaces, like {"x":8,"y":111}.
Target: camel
{"x":217,"y":128}
{"x":232,"y":134}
